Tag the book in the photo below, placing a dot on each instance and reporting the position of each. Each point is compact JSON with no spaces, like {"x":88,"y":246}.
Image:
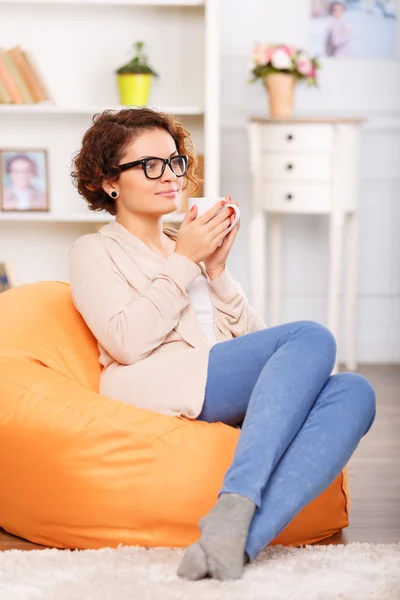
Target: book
{"x":5,"y":96}
{"x":8,"y":80}
{"x":5,"y":277}
{"x":18,"y":79}
{"x":37,"y":75}
{"x":18,"y":58}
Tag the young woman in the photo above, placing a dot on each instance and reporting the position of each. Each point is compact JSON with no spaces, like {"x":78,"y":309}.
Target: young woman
{"x":177,"y":335}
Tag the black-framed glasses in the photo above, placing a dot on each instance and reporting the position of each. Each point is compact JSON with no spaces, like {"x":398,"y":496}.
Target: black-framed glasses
{"x":154,"y":167}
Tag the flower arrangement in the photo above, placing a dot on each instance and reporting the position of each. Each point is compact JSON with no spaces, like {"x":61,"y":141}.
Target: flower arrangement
{"x":280,"y":58}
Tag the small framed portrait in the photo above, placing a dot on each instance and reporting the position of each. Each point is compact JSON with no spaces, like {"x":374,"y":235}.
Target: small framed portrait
{"x":24,"y":180}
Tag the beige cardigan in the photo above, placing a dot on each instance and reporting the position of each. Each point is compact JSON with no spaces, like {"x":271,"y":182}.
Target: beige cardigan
{"x":152,"y":347}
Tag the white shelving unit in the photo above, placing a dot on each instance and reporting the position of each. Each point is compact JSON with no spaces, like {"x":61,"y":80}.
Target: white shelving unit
{"x":78,"y":45}
{"x":53,"y":109}
{"x":117,"y":2}
{"x":51,"y":217}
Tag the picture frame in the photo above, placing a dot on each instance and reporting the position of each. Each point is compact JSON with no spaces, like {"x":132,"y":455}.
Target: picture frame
{"x":6,"y":279}
{"x":355,"y":29}
{"x":24,"y":181}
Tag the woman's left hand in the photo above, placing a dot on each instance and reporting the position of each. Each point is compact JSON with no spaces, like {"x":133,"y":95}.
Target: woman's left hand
{"x":216,"y":262}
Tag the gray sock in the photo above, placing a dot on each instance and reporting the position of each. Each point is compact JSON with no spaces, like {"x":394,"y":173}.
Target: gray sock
{"x":220,"y":552}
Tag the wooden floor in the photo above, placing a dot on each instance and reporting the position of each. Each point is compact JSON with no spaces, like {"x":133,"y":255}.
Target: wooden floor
{"x":374,"y":472}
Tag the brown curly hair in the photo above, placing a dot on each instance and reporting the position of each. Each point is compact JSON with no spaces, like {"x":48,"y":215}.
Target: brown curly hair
{"x":105,"y":142}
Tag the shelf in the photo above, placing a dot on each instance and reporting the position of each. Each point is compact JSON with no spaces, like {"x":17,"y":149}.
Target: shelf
{"x":51,"y":109}
{"x":45,"y":217}
{"x":111,"y":2}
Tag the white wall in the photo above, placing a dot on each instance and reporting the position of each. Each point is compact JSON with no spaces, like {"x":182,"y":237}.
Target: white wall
{"x":347,"y":87}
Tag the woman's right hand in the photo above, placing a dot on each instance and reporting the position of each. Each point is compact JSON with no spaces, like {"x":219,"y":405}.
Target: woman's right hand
{"x":199,"y":237}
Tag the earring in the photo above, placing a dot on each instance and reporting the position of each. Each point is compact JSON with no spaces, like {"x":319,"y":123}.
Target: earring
{"x":114,"y":195}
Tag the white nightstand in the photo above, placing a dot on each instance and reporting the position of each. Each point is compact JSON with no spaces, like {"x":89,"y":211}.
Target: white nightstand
{"x":305,"y":166}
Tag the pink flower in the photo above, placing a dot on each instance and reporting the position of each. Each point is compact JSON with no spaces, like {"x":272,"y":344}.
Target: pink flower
{"x":262,"y":54}
{"x":289,"y":50}
{"x":304,"y":65}
{"x":269,"y":51}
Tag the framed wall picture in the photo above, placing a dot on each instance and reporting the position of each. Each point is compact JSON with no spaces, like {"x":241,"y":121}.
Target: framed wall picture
{"x":6,"y":281}
{"x":24,"y":180}
{"x":365,"y":29}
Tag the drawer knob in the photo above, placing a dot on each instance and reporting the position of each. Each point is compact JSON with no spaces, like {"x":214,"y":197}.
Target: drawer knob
{"x":290,"y":137}
{"x":289,"y":167}
{"x":289,"y":196}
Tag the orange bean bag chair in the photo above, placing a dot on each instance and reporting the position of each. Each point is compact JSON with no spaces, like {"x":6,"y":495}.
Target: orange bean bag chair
{"x":80,"y":470}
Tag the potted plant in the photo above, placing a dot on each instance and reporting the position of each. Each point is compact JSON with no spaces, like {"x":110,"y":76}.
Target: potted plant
{"x":134,"y":78}
{"x":281,"y":67}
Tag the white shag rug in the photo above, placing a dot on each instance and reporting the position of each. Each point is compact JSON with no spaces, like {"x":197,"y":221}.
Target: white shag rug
{"x":357,"y":571}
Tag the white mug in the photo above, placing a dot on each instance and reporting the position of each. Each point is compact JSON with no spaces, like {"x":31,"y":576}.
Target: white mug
{"x":204,"y":204}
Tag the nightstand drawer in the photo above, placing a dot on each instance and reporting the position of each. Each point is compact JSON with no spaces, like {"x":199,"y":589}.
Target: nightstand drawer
{"x":297,"y":198}
{"x":303,"y":138}
{"x":292,"y":166}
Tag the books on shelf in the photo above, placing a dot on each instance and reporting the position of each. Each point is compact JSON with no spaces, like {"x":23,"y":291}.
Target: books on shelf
{"x":20,"y":79}
{"x":5,"y":277}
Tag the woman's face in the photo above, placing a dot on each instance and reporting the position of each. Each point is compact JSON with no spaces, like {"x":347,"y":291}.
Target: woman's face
{"x":139,"y":195}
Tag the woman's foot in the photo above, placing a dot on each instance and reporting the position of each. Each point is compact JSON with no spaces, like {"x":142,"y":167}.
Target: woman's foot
{"x":220,"y":551}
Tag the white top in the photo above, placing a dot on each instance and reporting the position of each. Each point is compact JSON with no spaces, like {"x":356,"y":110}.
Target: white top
{"x":23,"y":196}
{"x":201,"y":301}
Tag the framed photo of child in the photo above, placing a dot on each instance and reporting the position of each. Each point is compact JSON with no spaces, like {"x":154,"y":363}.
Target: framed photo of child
{"x":24,"y":180}
{"x":364,"y":29}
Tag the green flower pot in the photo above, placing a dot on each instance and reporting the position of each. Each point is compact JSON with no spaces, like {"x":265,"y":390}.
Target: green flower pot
{"x":134,"y":88}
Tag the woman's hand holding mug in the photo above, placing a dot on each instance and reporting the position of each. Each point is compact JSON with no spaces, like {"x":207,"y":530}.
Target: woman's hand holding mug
{"x":208,"y":231}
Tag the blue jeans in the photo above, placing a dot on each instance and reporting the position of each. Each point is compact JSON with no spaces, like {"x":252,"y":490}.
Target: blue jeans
{"x":300,"y":424}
